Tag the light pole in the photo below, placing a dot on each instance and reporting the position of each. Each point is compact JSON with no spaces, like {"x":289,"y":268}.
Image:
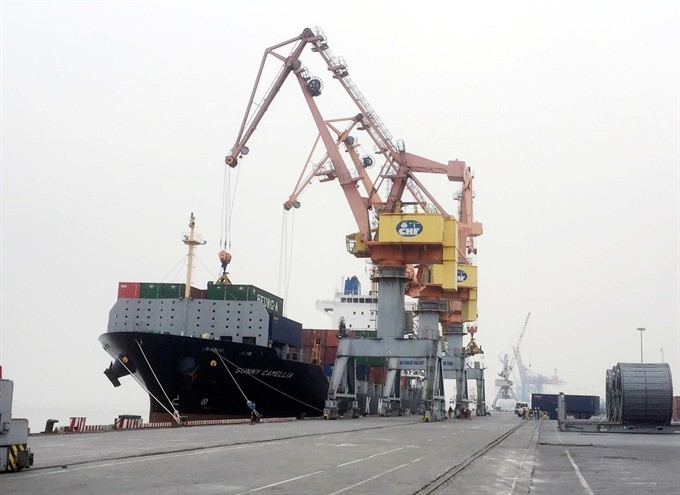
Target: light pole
{"x":641,"y":330}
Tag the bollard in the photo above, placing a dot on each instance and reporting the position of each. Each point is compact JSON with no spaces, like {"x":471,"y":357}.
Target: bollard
{"x":49,"y":425}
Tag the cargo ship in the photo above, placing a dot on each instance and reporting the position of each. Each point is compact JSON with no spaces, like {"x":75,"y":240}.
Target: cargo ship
{"x":216,"y":353}
{"x":227,"y":351}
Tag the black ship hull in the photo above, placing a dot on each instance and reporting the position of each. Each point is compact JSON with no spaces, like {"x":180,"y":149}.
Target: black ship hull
{"x":198,"y":378}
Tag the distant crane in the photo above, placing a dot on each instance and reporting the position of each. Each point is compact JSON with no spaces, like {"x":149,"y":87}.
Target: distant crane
{"x":531,"y":381}
{"x":505,"y":390}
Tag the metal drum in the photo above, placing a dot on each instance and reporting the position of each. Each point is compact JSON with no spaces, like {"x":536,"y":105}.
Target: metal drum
{"x":612,"y":402}
{"x":640,"y":393}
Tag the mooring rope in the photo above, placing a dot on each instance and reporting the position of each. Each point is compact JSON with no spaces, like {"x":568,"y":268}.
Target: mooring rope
{"x":251,"y":405}
{"x":225,"y":360}
{"x":175,"y":413}
{"x":147,"y":390}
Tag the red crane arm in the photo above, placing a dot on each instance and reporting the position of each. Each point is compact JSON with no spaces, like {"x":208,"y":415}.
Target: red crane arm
{"x":358,"y":204}
{"x":252,"y":118}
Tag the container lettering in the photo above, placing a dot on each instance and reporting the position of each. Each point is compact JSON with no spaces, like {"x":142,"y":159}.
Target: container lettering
{"x":269,"y":304}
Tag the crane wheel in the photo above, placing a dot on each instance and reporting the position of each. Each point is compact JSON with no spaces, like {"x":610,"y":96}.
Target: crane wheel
{"x":231,"y":161}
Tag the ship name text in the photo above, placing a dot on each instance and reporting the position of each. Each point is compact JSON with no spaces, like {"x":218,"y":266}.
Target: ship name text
{"x":261,"y":372}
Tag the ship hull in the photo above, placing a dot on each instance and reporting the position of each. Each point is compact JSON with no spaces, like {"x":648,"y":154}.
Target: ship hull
{"x":199,"y":378}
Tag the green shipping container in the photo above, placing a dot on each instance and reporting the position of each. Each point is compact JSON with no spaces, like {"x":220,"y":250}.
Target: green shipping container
{"x":161,"y":291}
{"x":272,"y":303}
{"x":148,"y":291}
{"x":171,"y":291}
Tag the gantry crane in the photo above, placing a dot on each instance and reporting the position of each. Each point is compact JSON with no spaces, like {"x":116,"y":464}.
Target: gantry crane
{"x":429,"y":238}
{"x":532,"y":382}
{"x":505,"y":384}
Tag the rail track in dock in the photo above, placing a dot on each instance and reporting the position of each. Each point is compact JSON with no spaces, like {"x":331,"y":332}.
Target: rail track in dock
{"x":389,"y":455}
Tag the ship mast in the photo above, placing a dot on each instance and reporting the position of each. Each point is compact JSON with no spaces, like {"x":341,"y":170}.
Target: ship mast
{"x":191,"y":241}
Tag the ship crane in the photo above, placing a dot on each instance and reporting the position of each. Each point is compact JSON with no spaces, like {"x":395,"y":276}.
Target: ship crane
{"x":397,"y":242}
{"x":505,"y":384}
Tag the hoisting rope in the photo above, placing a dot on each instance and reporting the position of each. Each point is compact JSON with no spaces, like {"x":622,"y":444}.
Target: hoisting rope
{"x":175,"y":413}
{"x":224,"y":363}
{"x":290,"y":258}
{"x":228,"y":200}
{"x":147,"y":391}
{"x":225,"y":203}
{"x":282,"y":252}
{"x":286,"y":256}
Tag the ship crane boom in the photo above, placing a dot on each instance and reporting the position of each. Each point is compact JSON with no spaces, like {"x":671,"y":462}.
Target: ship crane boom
{"x":252,"y":117}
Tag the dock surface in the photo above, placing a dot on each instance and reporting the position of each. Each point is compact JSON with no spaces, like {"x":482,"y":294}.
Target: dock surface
{"x":497,"y":454}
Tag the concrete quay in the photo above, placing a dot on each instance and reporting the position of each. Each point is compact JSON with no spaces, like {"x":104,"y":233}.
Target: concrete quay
{"x":400,"y":455}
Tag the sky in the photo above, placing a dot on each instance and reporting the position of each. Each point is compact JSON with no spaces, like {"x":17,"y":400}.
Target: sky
{"x":116,"y":118}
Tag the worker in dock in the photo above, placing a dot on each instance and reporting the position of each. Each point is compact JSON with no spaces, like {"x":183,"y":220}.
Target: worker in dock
{"x":450,"y":412}
{"x":253,"y":413}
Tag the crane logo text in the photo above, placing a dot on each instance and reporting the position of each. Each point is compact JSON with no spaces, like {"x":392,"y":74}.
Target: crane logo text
{"x":409,"y":228}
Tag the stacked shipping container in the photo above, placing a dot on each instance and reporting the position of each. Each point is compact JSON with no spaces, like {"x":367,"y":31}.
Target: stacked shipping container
{"x":141,"y":290}
{"x":221,"y":292}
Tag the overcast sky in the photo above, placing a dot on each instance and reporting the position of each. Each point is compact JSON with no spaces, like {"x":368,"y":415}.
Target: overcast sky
{"x":116,"y":117}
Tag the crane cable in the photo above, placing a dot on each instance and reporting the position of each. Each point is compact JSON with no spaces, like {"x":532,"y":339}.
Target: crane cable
{"x":282,"y":250}
{"x":286,"y":252}
{"x":286,"y":255}
{"x":228,"y":201}
{"x":290,"y":256}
